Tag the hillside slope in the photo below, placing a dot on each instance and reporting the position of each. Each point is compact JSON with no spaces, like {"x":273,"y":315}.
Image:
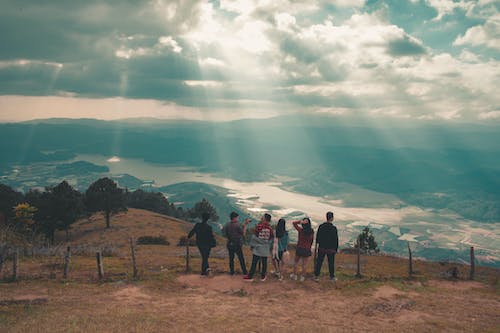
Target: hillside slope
{"x":164,"y":298}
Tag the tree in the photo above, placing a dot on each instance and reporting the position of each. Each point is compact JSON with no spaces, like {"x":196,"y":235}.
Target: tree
{"x":8,"y":200}
{"x":153,"y":201}
{"x":104,"y":195}
{"x":67,"y":205}
{"x":366,"y":241}
{"x":25,"y":223}
{"x":201,"y":207}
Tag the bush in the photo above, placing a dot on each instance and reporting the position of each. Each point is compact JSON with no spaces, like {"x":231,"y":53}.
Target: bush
{"x":184,"y":240}
{"x":152,"y":240}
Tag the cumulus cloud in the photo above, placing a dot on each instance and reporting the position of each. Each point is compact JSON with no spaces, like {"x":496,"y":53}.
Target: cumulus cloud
{"x":487,"y":34}
{"x":338,"y":57}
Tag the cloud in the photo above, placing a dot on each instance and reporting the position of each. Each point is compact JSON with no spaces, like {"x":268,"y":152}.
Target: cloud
{"x":362,"y":58}
{"x":487,"y":34}
{"x":446,"y":7}
{"x":406,"y":47}
{"x":489,"y":115}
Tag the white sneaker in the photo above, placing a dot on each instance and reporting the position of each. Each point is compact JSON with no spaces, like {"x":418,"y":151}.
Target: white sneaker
{"x":302,"y":278}
{"x":316,"y":279}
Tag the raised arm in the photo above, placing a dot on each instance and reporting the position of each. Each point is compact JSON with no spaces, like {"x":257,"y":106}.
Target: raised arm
{"x":245,"y":225}
{"x":296,"y":225}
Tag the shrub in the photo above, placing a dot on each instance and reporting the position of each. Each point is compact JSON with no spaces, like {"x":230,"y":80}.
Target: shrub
{"x":152,"y":240}
{"x":183,"y":241}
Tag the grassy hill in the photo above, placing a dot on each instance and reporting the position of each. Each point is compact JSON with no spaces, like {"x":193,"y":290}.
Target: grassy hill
{"x":164,"y":298}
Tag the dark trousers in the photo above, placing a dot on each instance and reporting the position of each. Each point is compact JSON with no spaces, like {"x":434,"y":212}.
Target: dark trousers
{"x":319,"y":263}
{"x":255,"y":260}
{"x":205,"y":253}
{"x":239,"y":252}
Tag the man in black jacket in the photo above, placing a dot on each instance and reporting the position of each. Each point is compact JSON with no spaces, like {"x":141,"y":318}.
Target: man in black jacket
{"x":205,"y":240}
{"x":327,"y":240}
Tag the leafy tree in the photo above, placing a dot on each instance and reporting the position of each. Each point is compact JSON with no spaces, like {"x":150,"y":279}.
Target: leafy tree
{"x":67,"y":205}
{"x":25,"y":223}
{"x":366,"y":241}
{"x":104,"y":195}
{"x":201,"y":207}
{"x":44,"y":215}
{"x":58,"y":208}
{"x":8,"y":200}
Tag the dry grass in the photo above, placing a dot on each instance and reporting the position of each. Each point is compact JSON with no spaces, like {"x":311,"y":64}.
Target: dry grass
{"x":164,"y":299}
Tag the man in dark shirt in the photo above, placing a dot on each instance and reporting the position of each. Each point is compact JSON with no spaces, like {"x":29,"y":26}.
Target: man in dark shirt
{"x":235,"y":235}
{"x":205,"y":240}
{"x":327,"y":240}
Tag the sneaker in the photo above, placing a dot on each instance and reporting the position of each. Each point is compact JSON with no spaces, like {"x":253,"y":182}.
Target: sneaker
{"x":293,"y":277}
{"x":316,"y":279}
{"x":333,"y":279}
{"x":247,"y":278}
{"x":280,"y":278}
{"x":273,"y":272}
{"x":302,"y":278}
{"x":262,"y":279}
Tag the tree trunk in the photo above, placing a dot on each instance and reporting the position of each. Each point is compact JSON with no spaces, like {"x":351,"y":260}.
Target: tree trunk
{"x":107,"y":213}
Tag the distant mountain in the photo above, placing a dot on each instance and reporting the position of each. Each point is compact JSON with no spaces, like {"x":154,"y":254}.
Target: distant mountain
{"x":414,"y":163}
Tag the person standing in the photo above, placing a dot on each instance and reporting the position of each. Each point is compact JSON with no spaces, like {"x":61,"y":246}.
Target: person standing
{"x":328,"y":244}
{"x":280,"y":249}
{"x":235,"y":235}
{"x":261,"y":247}
{"x":205,"y":241}
{"x":304,"y":243}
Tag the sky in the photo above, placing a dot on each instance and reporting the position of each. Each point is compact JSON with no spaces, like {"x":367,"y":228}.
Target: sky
{"x":414,"y":60}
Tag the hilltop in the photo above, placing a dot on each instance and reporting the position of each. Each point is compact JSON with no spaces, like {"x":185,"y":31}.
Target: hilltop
{"x":164,"y":298}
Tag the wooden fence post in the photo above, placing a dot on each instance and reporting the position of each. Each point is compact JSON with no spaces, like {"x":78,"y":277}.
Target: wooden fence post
{"x":66,"y":262}
{"x":187,"y":257}
{"x":15,"y":265}
{"x":472,"y":263}
{"x":358,"y":268}
{"x":1,"y":260}
{"x":132,"y":251}
{"x":410,"y":262}
{"x":100,"y":270}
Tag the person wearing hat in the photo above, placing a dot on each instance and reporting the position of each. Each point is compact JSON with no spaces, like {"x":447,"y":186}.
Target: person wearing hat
{"x":235,"y":236}
{"x":328,"y":244}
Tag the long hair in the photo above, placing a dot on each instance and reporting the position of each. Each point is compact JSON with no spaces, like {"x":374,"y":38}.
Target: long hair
{"x":280,"y":228}
{"x":308,"y":230}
